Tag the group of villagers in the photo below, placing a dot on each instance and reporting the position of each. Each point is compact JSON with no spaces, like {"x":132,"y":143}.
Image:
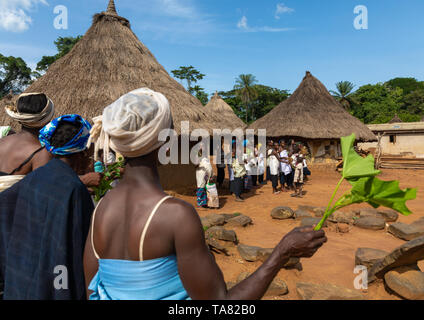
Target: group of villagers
{"x":137,"y":243}
{"x":284,"y":164}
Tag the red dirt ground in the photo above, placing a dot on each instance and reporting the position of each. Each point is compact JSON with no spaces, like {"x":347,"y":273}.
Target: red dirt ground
{"x":335,"y":261}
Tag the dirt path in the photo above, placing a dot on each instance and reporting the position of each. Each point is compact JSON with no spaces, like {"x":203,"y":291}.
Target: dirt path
{"x":334,"y":263}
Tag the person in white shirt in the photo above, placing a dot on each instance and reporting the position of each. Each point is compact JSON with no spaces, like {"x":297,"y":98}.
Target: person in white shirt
{"x":298,"y":177}
{"x":285,"y":168}
{"x":261,"y":164}
{"x":268,"y":153}
{"x":274,"y":167}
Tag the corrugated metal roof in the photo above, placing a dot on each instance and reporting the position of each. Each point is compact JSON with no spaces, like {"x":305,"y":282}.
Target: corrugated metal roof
{"x":401,"y":126}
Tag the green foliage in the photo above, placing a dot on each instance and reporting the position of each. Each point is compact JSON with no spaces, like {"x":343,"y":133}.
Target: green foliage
{"x":200,"y":94}
{"x":406,"y":84}
{"x":64,"y":46}
{"x":190,"y":74}
{"x":15,"y":75}
{"x":344,"y":90}
{"x":376,"y":103}
{"x":267,"y":99}
{"x":366,"y":187}
{"x":246,"y":91}
{"x":112,"y":173}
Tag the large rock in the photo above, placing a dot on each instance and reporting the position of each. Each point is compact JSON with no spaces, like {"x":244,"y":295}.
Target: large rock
{"x":368,"y":212}
{"x":389,"y":215}
{"x":309,"y":222}
{"x":368,"y":257}
{"x":215,"y":246}
{"x":407,"y":254}
{"x":310,"y":291}
{"x":277,"y":287}
{"x":408,"y":282}
{"x":371,"y":223}
{"x":306,"y":208}
{"x":252,"y":254}
{"x":239,"y":221}
{"x":319,"y":212}
{"x":282,"y":213}
{"x":342,"y":217}
{"x":213,"y":220}
{"x":419,"y":224}
{"x":405,"y":231}
{"x":220,"y":233}
{"x":300,"y":213}
{"x":228,"y":216}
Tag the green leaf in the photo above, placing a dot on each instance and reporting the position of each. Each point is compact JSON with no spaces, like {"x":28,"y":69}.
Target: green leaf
{"x":354,"y":166}
{"x":382,"y":193}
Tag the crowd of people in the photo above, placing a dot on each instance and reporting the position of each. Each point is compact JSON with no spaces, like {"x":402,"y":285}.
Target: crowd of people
{"x":137,"y":242}
{"x":284,"y":164}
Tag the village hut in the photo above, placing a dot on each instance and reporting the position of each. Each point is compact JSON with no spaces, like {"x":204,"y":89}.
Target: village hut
{"x":312,"y":116}
{"x":396,"y":119}
{"x":228,"y":118}
{"x":106,"y":63}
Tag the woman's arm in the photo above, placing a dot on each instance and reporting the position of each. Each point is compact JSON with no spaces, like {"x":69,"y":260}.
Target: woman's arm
{"x":202,"y":277}
{"x":91,"y":264}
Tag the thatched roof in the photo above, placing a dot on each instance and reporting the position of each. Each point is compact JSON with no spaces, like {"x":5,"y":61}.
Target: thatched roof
{"x":395,"y":119}
{"x":312,"y":113}
{"x":228,"y":118}
{"x":106,"y":63}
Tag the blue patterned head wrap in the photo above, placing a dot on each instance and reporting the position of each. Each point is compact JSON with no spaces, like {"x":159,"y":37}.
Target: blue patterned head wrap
{"x":77,"y":144}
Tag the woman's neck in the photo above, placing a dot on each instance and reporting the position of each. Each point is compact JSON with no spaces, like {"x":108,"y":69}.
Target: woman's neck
{"x":142,"y":171}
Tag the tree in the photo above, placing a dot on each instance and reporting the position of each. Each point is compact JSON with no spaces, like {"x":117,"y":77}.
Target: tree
{"x":266,"y":100}
{"x":414,"y":103}
{"x":344,"y":90}
{"x":15,"y":75}
{"x":190,"y":74}
{"x":200,"y":94}
{"x":246,"y":91}
{"x":64,"y":46}
{"x":376,"y":103}
{"x":406,"y":84}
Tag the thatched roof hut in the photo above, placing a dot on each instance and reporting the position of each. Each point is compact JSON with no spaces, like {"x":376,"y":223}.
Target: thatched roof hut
{"x":396,"y":119}
{"x":106,"y":63}
{"x":222,"y":109}
{"x":312,"y":113}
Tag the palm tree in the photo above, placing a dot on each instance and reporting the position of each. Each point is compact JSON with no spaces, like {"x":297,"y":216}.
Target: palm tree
{"x":245,"y":89}
{"x":344,"y":90}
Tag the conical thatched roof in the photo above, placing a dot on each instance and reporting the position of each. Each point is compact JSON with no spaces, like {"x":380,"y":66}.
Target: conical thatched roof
{"x":228,"y":118}
{"x":395,"y":119}
{"x":312,"y":113}
{"x":106,"y":63}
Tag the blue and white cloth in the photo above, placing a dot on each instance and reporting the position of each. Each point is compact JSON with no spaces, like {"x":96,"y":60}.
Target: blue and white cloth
{"x":77,"y":144}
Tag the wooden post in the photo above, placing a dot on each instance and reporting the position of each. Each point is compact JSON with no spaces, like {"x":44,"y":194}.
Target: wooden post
{"x":379,"y":150}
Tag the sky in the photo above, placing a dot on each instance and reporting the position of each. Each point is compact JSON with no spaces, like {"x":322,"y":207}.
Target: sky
{"x":277,"y":41}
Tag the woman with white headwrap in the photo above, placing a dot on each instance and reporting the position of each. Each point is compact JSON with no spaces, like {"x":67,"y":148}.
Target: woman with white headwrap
{"x":146,"y":245}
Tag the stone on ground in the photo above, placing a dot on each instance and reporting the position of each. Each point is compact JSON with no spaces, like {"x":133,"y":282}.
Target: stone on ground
{"x":214,"y":245}
{"x":306,"y":208}
{"x":407,"y":282}
{"x":389,"y":215}
{"x":228,"y":216}
{"x":277,"y":287}
{"x":407,"y":254}
{"x":213,"y":220}
{"x":310,"y":291}
{"x":342,"y":217}
{"x":368,"y":212}
{"x":419,"y":224}
{"x":239,"y":221}
{"x":319,"y":212}
{"x":300,"y":213}
{"x":252,"y":254}
{"x":282,"y":213}
{"x":368,"y":257}
{"x":405,"y":231}
{"x":220,"y":233}
{"x":309,"y":222}
{"x":343,"y":228}
{"x":370,"y":223}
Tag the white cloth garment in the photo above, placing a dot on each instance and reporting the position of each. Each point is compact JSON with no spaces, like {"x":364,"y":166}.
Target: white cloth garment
{"x":7,"y":181}
{"x":285,"y":167}
{"x":230,"y":173}
{"x":29,"y":120}
{"x":274,"y":165}
{"x":261,"y":164}
{"x":203,"y":173}
{"x":132,"y":124}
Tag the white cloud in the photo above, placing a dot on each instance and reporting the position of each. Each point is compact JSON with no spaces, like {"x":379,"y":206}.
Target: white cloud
{"x":282,"y":9}
{"x":243,"y":25}
{"x":14,"y":15}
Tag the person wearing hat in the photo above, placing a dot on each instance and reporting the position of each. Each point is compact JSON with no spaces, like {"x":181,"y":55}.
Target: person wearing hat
{"x":45,"y":218}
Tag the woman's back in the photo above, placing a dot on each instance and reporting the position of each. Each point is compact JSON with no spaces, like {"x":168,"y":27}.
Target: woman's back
{"x":134,"y":248}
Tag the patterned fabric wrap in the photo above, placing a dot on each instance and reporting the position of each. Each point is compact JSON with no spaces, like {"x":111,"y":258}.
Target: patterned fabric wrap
{"x":202,"y":197}
{"x":75,"y":145}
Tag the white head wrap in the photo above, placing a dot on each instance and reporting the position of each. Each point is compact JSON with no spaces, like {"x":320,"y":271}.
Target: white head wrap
{"x":132,"y":124}
{"x":29,"y":120}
